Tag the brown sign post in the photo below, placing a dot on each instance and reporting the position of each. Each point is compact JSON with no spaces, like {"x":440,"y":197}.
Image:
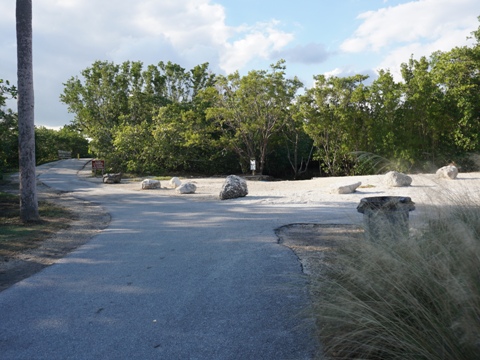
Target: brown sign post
{"x":98,"y":165}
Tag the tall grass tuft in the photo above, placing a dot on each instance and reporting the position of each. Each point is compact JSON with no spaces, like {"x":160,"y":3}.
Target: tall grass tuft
{"x":370,"y":163}
{"x":417,"y":297}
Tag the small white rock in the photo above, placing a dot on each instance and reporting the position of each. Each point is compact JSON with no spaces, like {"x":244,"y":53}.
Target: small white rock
{"x":346,"y":189}
{"x":448,"y":172}
{"x":396,"y":179}
{"x":175,"y":182}
{"x":186,"y":188}
{"x":150,"y":184}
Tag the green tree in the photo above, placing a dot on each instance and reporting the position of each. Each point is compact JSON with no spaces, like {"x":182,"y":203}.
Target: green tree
{"x":49,"y":141}
{"x":294,"y":144}
{"x":8,"y":129}
{"x":422,"y":121}
{"x":457,"y":73}
{"x":134,"y":149}
{"x":385,"y":99}
{"x":100,"y":103}
{"x":335,"y":114}
{"x":26,"y":127}
{"x":46,"y":149}
{"x":70,"y":139}
{"x":249,"y":110}
{"x":123,"y":101}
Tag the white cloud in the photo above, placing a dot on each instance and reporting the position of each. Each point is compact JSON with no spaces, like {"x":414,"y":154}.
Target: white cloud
{"x":422,"y":20}
{"x":169,"y":30}
{"x":416,"y":28}
{"x":336,"y":72}
{"x":350,"y":71}
{"x":395,"y":57}
{"x":69,"y":35}
{"x":260,"y":40}
{"x":182,"y":22}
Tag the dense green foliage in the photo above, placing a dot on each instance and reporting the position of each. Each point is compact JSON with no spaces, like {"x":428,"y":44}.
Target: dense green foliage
{"x":250,"y":110}
{"x":165,"y":119}
{"x":47,"y":141}
{"x":8,"y":129}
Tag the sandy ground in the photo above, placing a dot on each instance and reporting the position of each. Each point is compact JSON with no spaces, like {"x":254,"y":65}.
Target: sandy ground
{"x":426,"y":190}
{"x":309,"y":241}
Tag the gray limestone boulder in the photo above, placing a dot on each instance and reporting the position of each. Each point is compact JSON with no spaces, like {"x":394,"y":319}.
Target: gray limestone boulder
{"x":233,"y":187}
{"x":186,"y":188}
{"x":112,"y":178}
{"x":396,"y":179}
{"x":448,"y":172}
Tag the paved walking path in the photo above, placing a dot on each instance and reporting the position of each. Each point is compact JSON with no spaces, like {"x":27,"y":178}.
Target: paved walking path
{"x":169,"y":278}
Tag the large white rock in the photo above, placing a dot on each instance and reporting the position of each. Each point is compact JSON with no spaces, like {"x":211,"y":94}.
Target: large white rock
{"x":150,"y":184}
{"x":186,"y":188}
{"x":396,"y":179}
{"x":233,"y":187}
{"x":175,"y":182}
{"x":448,"y":172}
{"x":345,"y":189}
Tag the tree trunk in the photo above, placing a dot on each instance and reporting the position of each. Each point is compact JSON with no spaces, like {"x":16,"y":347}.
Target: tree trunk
{"x":26,"y":127}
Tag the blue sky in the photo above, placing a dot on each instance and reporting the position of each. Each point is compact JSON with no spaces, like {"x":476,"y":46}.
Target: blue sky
{"x":332,"y":37}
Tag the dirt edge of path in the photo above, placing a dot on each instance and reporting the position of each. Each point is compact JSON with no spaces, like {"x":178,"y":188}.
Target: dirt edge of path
{"x":89,"y":220}
{"x":313,"y":244}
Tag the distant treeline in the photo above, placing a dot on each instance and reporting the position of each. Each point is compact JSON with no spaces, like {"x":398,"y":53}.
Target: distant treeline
{"x":47,"y":141}
{"x":165,"y":119}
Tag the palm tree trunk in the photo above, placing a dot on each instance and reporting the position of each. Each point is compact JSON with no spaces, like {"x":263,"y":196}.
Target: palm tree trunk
{"x":26,"y":125}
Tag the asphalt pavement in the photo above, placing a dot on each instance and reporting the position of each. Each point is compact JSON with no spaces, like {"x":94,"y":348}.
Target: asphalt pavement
{"x":169,"y":278}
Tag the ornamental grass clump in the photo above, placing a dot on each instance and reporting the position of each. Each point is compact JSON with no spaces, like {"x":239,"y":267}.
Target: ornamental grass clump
{"x":417,"y":297}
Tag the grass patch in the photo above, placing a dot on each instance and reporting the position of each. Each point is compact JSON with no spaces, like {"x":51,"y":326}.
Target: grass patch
{"x":16,"y":236}
{"x":414,"y":298}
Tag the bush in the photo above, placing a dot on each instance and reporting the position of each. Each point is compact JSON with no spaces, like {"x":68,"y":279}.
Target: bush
{"x":414,"y":298}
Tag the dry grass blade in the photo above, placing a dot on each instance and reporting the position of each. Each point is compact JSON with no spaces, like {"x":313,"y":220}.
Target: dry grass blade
{"x":416,"y":298}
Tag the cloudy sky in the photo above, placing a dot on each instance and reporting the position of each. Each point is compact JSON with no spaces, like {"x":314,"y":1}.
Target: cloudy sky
{"x":333,"y":37}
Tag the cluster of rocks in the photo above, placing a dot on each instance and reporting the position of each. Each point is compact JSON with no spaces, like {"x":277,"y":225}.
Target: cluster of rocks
{"x":180,"y":188}
{"x":233,"y":187}
{"x":391,"y":179}
{"x":396,"y":179}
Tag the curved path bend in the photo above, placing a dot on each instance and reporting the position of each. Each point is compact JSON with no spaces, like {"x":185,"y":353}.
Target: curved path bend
{"x":169,"y":278}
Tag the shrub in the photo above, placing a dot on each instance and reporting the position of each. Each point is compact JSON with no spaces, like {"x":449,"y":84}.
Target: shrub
{"x":414,"y":298}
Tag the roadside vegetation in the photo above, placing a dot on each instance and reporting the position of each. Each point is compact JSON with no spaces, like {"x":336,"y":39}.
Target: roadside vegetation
{"x":162,"y":118}
{"x":414,"y":298}
{"x":17,"y":236}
